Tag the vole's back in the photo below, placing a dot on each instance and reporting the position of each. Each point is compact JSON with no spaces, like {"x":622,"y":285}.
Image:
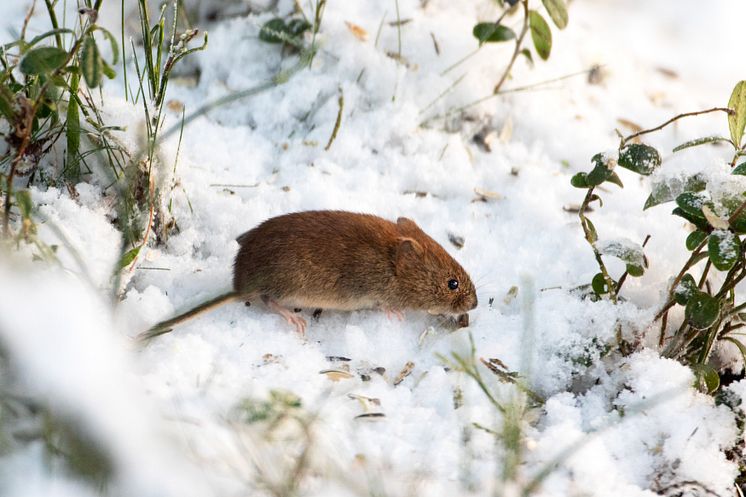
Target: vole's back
{"x":326,"y":259}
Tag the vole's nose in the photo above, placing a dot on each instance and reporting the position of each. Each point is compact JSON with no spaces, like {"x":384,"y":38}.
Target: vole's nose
{"x":474,"y":305}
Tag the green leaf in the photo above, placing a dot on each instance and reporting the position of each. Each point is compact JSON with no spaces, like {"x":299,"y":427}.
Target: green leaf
{"x":107,"y":70}
{"x":91,"y":63}
{"x":592,"y":231}
{"x":702,"y":311}
{"x":737,"y":120}
{"x":670,"y":188}
{"x":527,"y":53}
{"x":739,"y":344}
{"x":600,"y":172}
{"x":128,"y":257}
{"x":614,"y":178}
{"x":598,"y":283}
{"x":488,"y":32}
{"x":640,"y":158}
{"x":540,"y":34}
{"x":739,"y":169}
{"x":694,"y":239}
{"x":7,"y":103}
{"x":686,"y":288}
{"x":112,"y":43}
{"x":24,"y":203}
{"x":580,"y":180}
{"x":72,"y":130}
{"x":724,"y":248}
{"x":273,"y":30}
{"x":43,"y":60}
{"x":707,"y":377}
{"x":698,"y":222}
{"x":700,"y":141}
{"x":557,"y":11}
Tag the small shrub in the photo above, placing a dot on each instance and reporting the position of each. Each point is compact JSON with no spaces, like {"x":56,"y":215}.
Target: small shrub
{"x":712,"y":312}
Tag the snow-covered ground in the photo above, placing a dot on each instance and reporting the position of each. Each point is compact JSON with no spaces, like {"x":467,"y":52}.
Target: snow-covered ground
{"x":169,"y":415}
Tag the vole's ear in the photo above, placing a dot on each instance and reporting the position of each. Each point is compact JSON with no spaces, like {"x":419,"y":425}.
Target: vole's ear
{"x":407,"y":226}
{"x":407,"y":248}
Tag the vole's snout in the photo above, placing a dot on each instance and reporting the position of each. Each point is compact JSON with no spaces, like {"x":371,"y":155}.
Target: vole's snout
{"x":474,"y":303}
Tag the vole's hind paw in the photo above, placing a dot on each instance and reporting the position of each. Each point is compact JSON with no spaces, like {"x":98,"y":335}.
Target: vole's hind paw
{"x":299,"y":323}
{"x":292,"y":318}
{"x":394,"y":312}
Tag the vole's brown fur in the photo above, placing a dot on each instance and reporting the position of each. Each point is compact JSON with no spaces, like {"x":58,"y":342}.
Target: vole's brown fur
{"x":344,"y":261}
{"x":348,"y":261}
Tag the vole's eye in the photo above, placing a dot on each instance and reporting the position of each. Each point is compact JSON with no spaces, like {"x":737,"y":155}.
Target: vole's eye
{"x":453,"y":284}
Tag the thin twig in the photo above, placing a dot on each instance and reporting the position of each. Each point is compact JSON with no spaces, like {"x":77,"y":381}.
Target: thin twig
{"x":590,"y":239}
{"x":338,"y":122}
{"x":517,"y":49}
{"x":675,"y":118}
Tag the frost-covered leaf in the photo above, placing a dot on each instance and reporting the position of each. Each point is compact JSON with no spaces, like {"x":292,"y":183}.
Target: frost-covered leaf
{"x":488,"y":32}
{"x":272,"y":31}
{"x":43,"y":60}
{"x":685,"y":289}
{"x":668,"y":189}
{"x":297,"y":27}
{"x":731,"y":204}
{"x":700,"y":141}
{"x":724,"y":248}
{"x":626,"y":250}
{"x":640,"y":158}
{"x":635,"y":271}
{"x":691,"y":203}
{"x":694,"y":239}
{"x":702,"y":311}
{"x":557,"y":11}
{"x":715,"y":221}
{"x":737,"y":120}
{"x":540,"y":34}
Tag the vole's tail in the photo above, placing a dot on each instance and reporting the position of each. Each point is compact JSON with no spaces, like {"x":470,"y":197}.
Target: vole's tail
{"x":167,"y":325}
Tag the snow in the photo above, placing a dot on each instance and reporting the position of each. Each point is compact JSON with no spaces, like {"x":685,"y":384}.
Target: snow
{"x":166,"y":413}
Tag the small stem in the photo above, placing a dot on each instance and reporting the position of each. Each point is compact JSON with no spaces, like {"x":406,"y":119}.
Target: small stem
{"x":662,"y":336}
{"x":398,"y":29}
{"x":517,"y":49}
{"x":338,"y":122}
{"x":675,"y":118}
{"x":737,"y":308}
{"x":689,"y":263}
{"x":589,"y":238}
{"x":703,"y":278}
{"x":55,"y":24}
